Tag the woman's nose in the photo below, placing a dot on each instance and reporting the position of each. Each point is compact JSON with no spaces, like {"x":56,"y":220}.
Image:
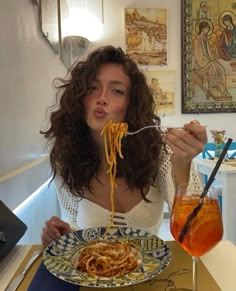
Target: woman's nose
{"x":102,"y":98}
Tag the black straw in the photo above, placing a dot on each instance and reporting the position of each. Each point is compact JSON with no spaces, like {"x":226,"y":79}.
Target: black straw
{"x":216,"y":168}
{"x":204,"y":192}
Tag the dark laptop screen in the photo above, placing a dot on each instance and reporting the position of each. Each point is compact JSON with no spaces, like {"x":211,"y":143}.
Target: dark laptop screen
{"x":11,"y":230}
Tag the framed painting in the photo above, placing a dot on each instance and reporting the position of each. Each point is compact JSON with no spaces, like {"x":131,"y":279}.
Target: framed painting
{"x":208,"y":56}
{"x":146,"y":35}
{"x":163,"y":87}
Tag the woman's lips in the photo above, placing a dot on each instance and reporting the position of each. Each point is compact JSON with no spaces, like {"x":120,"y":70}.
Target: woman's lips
{"x":100,"y":113}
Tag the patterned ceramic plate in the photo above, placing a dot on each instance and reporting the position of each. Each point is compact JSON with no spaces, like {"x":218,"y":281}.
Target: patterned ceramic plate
{"x":59,"y":256}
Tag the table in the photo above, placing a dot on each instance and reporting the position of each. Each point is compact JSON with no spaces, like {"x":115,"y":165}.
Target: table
{"x":10,"y":264}
{"x":227,"y":177}
{"x":219,"y":262}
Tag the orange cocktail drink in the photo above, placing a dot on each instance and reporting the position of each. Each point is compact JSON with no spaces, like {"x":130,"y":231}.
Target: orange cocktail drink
{"x":205,"y":230}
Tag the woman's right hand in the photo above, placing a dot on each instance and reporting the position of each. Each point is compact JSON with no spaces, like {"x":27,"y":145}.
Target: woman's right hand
{"x":53,"y":229}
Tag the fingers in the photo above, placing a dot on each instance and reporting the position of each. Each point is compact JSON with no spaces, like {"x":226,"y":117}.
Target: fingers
{"x":189,"y":142}
{"x":182,"y":141}
{"x":194,"y":122}
{"x":53,"y":229}
{"x":186,"y":144}
{"x":197,"y":130}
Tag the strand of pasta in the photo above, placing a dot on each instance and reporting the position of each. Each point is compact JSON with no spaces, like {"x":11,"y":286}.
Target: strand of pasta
{"x":113,"y":134}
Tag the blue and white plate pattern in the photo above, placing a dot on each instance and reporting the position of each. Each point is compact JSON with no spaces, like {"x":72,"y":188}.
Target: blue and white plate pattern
{"x":59,"y":256}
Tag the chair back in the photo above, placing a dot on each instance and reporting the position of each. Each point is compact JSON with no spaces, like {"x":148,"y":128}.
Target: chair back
{"x":232,"y":150}
{"x":209,"y":150}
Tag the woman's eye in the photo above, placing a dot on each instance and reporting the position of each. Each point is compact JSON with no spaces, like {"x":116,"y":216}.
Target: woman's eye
{"x":118,"y":91}
{"x":92,"y":88}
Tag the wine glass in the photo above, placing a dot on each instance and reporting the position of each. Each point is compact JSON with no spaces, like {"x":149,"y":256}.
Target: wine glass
{"x":196,"y":223}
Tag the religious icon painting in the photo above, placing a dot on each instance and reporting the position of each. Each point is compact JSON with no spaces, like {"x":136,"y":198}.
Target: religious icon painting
{"x":208,"y":56}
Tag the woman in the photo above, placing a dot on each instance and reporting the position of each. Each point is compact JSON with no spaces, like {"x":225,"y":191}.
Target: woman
{"x":109,"y":86}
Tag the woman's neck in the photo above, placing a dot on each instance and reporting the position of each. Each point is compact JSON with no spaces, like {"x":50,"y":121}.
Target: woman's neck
{"x":103,"y":168}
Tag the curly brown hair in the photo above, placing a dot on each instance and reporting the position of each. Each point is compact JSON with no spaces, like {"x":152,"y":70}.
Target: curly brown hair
{"x":74,"y":154}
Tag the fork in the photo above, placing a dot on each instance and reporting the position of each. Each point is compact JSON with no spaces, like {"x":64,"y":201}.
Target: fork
{"x":153,"y":126}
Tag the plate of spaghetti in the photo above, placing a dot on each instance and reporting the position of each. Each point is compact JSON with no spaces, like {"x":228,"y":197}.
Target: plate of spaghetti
{"x":102,"y":258}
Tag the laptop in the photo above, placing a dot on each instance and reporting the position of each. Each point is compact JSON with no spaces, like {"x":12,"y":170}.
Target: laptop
{"x":11,"y":230}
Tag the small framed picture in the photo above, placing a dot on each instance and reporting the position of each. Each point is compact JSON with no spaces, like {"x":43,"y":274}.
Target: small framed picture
{"x":163,"y":86}
{"x":146,"y":35}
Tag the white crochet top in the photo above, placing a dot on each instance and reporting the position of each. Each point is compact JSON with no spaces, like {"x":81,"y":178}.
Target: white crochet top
{"x":82,"y":213}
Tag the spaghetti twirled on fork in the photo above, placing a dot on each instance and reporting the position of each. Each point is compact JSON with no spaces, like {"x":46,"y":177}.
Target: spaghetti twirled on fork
{"x":106,"y":258}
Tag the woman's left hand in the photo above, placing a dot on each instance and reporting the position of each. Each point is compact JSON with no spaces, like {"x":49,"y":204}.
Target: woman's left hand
{"x":186,"y":144}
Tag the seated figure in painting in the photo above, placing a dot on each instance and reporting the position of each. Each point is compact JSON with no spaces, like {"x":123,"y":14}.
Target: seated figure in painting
{"x":227,"y":41}
{"x":205,"y":64}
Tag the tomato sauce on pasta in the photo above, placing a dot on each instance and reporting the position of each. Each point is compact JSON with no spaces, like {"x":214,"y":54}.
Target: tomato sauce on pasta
{"x":108,"y":259}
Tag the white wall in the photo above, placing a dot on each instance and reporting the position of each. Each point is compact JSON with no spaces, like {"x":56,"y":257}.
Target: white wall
{"x":36,"y":210}
{"x":28,"y":66}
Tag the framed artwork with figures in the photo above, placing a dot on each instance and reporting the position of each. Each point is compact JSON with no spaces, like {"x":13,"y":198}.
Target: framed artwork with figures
{"x":208,"y":56}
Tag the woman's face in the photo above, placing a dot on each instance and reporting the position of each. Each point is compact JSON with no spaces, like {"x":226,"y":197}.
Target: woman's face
{"x":227,"y":23}
{"x":205,"y":30}
{"x":109,"y":98}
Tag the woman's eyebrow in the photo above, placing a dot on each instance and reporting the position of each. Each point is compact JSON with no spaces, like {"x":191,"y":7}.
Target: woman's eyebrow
{"x":114,"y":82}
{"x":118,"y":82}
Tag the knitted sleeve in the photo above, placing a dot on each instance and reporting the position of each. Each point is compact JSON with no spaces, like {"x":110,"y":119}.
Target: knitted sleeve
{"x":166,"y":181}
{"x":69,"y":205}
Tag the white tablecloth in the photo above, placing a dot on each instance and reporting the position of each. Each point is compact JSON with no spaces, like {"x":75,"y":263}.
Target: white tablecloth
{"x":221,"y":263}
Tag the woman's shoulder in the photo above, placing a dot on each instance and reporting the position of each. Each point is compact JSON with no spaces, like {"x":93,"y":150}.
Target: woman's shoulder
{"x":62,"y":189}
